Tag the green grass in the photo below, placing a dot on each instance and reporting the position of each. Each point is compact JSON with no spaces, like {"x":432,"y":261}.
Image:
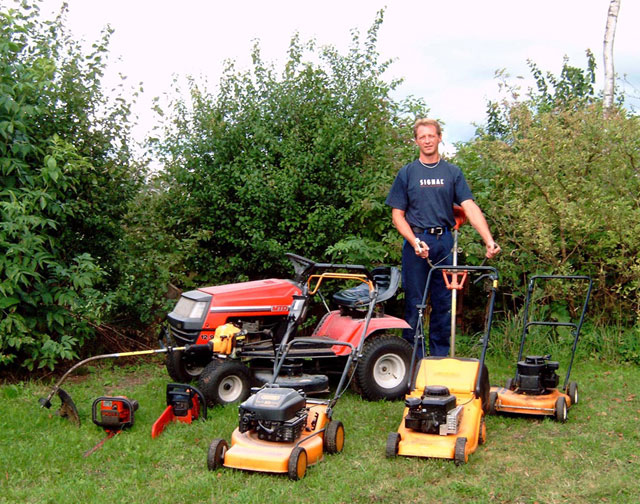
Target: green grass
{"x":592,"y":458}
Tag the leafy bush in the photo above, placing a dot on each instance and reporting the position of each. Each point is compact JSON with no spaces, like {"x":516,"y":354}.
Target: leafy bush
{"x":294,"y":162}
{"x":560,"y":183}
{"x":65,"y":182}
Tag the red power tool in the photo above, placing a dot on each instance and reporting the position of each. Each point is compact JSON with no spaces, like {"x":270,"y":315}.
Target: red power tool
{"x":185,"y":403}
{"x":112,"y":414}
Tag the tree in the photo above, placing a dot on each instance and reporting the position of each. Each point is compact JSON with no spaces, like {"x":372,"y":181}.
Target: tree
{"x":560,"y":183}
{"x":294,"y":162}
{"x":65,"y":182}
{"x":609,"y":73}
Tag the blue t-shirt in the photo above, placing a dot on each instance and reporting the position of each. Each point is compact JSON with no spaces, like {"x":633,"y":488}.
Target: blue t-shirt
{"x":427,"y":195}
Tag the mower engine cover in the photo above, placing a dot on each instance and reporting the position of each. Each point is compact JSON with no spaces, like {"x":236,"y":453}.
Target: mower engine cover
{"x":435,"y":412}
{"x":536,"y":374}
{"x":276,"y":414}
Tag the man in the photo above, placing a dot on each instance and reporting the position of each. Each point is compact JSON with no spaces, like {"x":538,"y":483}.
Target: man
{"x":422,"y":198}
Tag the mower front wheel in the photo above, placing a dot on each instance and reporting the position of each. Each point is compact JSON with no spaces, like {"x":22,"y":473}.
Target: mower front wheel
{"x":215,"y":456}
{"x":393,"y":444}
{"x":493,"y":398}
{"x":573,"y":393}
{"x":180,"y":369}
{"x":383,"y":371}
{"x":334,"y":437}
{"x":225,"y":382}
{"x":297,"y":466}
{"x":561,"y":409}
{"x":460,"y":455}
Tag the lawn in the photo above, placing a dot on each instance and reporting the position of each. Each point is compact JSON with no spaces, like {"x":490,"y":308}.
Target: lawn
{"x":591,"y":458}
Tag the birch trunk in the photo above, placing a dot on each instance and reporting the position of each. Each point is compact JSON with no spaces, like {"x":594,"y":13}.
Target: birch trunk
{"x":609,"y":35}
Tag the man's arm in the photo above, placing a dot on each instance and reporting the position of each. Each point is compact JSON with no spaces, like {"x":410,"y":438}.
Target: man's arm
{"x":403,"y":227}
{"x":477,"y":220}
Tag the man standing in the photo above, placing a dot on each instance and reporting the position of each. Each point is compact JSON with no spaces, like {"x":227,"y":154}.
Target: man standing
{"x":422,"y":198}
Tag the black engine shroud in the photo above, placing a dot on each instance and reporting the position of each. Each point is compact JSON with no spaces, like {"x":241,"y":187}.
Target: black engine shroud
{"x":428,"y":412}
{"x":276,"y":414}
{"x":536,"y":374}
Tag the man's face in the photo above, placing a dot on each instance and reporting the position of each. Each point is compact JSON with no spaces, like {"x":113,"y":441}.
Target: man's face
{"x":427,"y":140}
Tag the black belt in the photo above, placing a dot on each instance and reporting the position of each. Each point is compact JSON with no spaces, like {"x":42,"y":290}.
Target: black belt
{"x":438,"y":230}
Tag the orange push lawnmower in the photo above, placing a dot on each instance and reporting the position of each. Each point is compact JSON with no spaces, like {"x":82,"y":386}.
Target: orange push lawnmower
{"x":534,"y":390}
{"x":280,"y":429}
{"x":448,"y":397}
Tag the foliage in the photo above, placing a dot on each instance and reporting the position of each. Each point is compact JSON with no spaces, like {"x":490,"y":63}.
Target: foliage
{"x":298,"y":161}
{"x":65,"y":183}
{"x":560,"y":183}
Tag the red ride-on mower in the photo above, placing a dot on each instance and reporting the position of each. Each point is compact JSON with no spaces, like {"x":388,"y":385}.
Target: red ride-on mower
{"x":280,"y":429}
{"x":534,"y":390}
{"x":245,"y":323}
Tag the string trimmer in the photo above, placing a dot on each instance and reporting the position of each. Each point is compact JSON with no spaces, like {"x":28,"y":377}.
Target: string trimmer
{"x":68,"y":408}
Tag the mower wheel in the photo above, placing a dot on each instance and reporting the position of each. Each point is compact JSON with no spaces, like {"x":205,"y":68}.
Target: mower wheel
{"x":334,"y":437}
{"x":460,"y":454}
{"x":383,"y":371}
{"x":181,"y":370}
{"x":561,"y":409}
{"x":493,"y":397}
{"x":482,"y":432}
{"x":393,"y":443}
{"x":225,"y":382}
{"x":510,"y":384}
{"x":573,"y":392}
{"x":297,"y":466}
{"x":485,"y":390}
{"x":215,"y":456}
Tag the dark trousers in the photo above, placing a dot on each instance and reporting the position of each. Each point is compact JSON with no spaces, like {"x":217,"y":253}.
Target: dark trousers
{"x":414,"y":278}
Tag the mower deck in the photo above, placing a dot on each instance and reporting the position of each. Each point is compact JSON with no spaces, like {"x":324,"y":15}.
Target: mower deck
{"x":250,"y":453}
{"x":510,"y":401}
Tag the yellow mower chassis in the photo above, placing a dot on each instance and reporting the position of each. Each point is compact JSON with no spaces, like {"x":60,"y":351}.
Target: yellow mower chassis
{"x":460,"y":377}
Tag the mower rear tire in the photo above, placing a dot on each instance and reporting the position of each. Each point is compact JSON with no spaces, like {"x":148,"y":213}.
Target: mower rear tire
{"x":493,"y":398}
{"x":225,"y":382}
{"x":215,"y":456}
{"x":561,"y":409}
{"x":297,"y":467}
{"x":383,"y":371}
{"x":393,"y":444}
{"x":181,"y":370}
{"x":573,"y":392}
{"x":334,"y":437}
{"x":460,"y":455}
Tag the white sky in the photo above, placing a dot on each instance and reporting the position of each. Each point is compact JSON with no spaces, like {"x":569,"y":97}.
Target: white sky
{"x":447,"y":51}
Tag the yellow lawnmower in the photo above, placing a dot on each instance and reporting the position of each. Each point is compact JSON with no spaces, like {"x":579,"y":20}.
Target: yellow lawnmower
{"x":280,"y":429}
{"x":449,"y":396}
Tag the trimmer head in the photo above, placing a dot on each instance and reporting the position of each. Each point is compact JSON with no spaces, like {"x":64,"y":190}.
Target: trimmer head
{"x":67,"y":407}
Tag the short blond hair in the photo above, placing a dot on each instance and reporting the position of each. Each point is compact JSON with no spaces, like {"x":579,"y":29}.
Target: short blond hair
{"x":425,"y":121}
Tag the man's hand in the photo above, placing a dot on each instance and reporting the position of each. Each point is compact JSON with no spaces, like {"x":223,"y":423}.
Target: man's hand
{"x":493,"y":249}
{"x":421,"y":248}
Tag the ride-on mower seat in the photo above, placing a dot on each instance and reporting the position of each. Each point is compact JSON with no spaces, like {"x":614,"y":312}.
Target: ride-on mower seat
{"x":386,"y":278}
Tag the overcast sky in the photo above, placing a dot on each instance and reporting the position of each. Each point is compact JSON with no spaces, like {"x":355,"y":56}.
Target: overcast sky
{"x":446,"y":51}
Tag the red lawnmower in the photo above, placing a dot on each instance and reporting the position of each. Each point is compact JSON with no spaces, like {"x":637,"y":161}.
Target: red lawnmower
{"x":244,"y":323}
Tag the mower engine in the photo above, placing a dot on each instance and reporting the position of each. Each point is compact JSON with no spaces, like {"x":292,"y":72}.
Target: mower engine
{"x":114,"y":413}
{"x":276,"y":414}
{"x":435,"y":412}
{"x":536,"y":374}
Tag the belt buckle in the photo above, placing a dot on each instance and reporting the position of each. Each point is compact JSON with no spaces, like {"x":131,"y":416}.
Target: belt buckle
{"x":438,"y":231}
